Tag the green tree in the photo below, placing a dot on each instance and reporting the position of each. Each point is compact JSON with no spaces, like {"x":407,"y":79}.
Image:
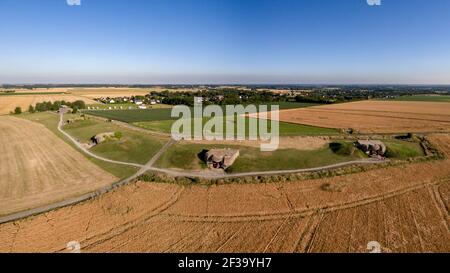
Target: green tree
{"x":79,"y":104}
{"x":18,"y":111}
{"x":74,"y":110}
{"x":31,"y":109}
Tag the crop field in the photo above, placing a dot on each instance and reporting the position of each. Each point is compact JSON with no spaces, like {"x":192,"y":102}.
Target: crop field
{"x":30,"y":93}
{"x":37,"y":168}
{"x":405,"y":208}
{"x":375,"y":116}
{"x":9,"y":103}
{"x":58,"y":90}
{"x":108,"y":92}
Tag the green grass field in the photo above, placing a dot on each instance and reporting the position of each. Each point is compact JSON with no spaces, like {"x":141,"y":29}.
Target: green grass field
{"x":139,"y":148}
{"x":430,"y":98}
{"x":397,"y":149}
{"x":51,"y":120}
{"x":185,"y":156}
{"x":138,"y":115}
{"x":125,"y":106}
{"x":286,"y":129}
{"x":132,"y":147}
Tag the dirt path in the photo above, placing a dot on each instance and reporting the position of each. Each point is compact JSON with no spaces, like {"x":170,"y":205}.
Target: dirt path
{"x":149,"y":167}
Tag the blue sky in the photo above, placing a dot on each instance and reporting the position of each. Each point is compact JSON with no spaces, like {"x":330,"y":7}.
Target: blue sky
{"x":225,"y":41}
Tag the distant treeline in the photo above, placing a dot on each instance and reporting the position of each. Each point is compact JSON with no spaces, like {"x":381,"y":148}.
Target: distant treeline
{"x":220,"y":97}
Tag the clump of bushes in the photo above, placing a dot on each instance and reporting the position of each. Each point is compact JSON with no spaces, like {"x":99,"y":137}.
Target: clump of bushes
{"x":54,"y":106}
{"x":18,"y":111}
{"x":342,"y":148}
{"x":118,"y":135}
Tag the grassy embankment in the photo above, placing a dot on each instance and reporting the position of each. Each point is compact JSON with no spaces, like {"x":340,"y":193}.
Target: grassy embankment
{"x":50,"y":121}
{"x":186,"y":156}
{"x":132,"y":147}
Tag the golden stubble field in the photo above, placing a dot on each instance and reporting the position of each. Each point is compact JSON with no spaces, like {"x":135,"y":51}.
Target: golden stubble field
{"x":38,"y":168}
{"x":9,"y":103}
{"x":111,"y":92}
{"x":404,"y":208}
{"x":375,"y":116}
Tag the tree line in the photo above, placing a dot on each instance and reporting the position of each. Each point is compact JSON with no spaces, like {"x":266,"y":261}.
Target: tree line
{"x":53,"y":106}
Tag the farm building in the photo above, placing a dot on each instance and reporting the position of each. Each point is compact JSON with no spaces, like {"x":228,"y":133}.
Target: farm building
{"x":221,"y":158}
{"x":372,"y":147}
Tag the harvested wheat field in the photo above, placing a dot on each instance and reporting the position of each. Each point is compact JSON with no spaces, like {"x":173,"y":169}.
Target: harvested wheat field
{"x":9,"y":103}
{"x":41,"y":90}
{"x":108,"y":92}
{"x":405,"y":208}
{"x":375,"y":116}
{"x":38,"y":168}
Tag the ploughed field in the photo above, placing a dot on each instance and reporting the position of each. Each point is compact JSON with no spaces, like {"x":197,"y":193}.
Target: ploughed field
{"x":38,"y":168}
{"x":375,"y":116}
{"x":405,"y":208}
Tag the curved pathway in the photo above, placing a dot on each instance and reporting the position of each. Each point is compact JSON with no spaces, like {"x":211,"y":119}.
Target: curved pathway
{"x":149,"y":167}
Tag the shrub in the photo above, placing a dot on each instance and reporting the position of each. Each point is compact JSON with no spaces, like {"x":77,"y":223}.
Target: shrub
{"x":118,"y":135}
{"x":342,"y":148}
{"x":18,"y":111}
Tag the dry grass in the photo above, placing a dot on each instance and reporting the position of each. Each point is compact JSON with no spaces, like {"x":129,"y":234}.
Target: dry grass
{"x":38,"y":168}
{"x":375,"y":116}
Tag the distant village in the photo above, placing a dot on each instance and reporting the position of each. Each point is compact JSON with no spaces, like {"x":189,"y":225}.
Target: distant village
{"x":122,"y":103}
